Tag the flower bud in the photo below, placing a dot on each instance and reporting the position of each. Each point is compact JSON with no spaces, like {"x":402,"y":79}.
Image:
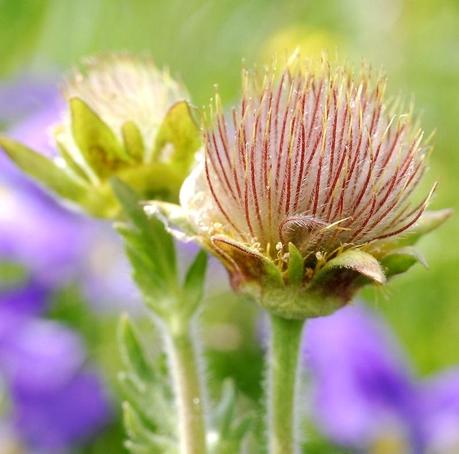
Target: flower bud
{"x":125,"y":118}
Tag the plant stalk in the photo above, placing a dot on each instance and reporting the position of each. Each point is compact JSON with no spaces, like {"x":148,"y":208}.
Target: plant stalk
{"x":188,"y":389}
{"x":283,"y":384}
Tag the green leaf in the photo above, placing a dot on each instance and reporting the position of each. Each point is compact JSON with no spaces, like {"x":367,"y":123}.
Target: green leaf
{"x":132,"y":352}
{"x":44,"y":170}
{"x":226,"y":408}
{"x":133,"y":141}
{"x":175,"y":217}
{"x":96,"y":141}
{"x":179,"y":131}
{"x":141,"y":436}
{"x":231,"y":427}
{"x":295,"y":270}
{"x":195,"y":279}
{"x":243,"y":427}
{"x":138,"y":448}
{"x":151,"y":237}
{"x":401,"y":260}
{"x":138,"y":398}
{"x":145,"y":269}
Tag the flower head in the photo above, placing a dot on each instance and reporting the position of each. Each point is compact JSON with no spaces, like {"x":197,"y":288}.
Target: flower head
{"x":311,"y":172}
{"x":125,"y":118}
{"x":122,"y":89}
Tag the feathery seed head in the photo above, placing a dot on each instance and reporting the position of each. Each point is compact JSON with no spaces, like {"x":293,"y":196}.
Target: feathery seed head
{"x":313,"y":166}
{"x":315,"y":158}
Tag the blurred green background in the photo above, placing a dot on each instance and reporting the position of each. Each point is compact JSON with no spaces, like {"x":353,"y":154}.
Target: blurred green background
{"x":204,"y":42}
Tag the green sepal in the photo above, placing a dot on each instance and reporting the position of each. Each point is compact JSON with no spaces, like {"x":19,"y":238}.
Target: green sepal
{"x":133,"y":141}
{"x":273,"y":274}
{"x":247,"y":264}
{"x":157,"y":180}
{"x":132,"y":352}
{"x":342,"y":276}
{"x":354,"y":260}
{"x":95,"y":140}
{"x":193,"y":285}
{"x":179,"y":131}
{"x":72,"y":165}
{"x":46,"y":171}
{"x":295,"y":269}
{"x":401,"y":260}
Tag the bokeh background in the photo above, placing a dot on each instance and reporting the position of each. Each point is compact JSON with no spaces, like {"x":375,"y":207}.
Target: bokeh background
{"x":70,"y":260}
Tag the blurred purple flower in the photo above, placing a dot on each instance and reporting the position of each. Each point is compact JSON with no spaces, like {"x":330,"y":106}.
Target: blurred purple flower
{"x":57,"y":245}
{"x":61,"y":417}
{"x":20,"y":96}
{"x":364,"y":391}
{"x":55,"y":402}
{"x":440,"y":402}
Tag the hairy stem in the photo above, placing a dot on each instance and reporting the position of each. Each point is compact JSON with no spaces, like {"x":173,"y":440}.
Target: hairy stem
{"x":282,"y":384}
{"x":188,"y":390}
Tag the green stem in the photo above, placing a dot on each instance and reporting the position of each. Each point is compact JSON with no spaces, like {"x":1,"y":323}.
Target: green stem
{"x":188,"y":390}
{"x":283,"y":378}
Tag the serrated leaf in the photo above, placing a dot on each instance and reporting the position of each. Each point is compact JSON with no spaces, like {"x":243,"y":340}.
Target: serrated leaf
{"x":144,"y":267}
{"x":132,"y":352}
{"x":295,"y":270}
{"x":141,"y":435}
{"x":179,"y":132}
{"x":401,"y":260}
{"x":44,"y":170}
{"x":137,"y":448}
{"x":226,"y":407}
{"x":194,"y":279}
{"x":96,"y":141}
{"x":173,"y":216}
{"x":129,"y":386}
{"x":153,"y":402}
{"x":230,"y":427}
{"x":151,"y":237}
{"x":133,"y":141}
{"x":243,"y":427}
